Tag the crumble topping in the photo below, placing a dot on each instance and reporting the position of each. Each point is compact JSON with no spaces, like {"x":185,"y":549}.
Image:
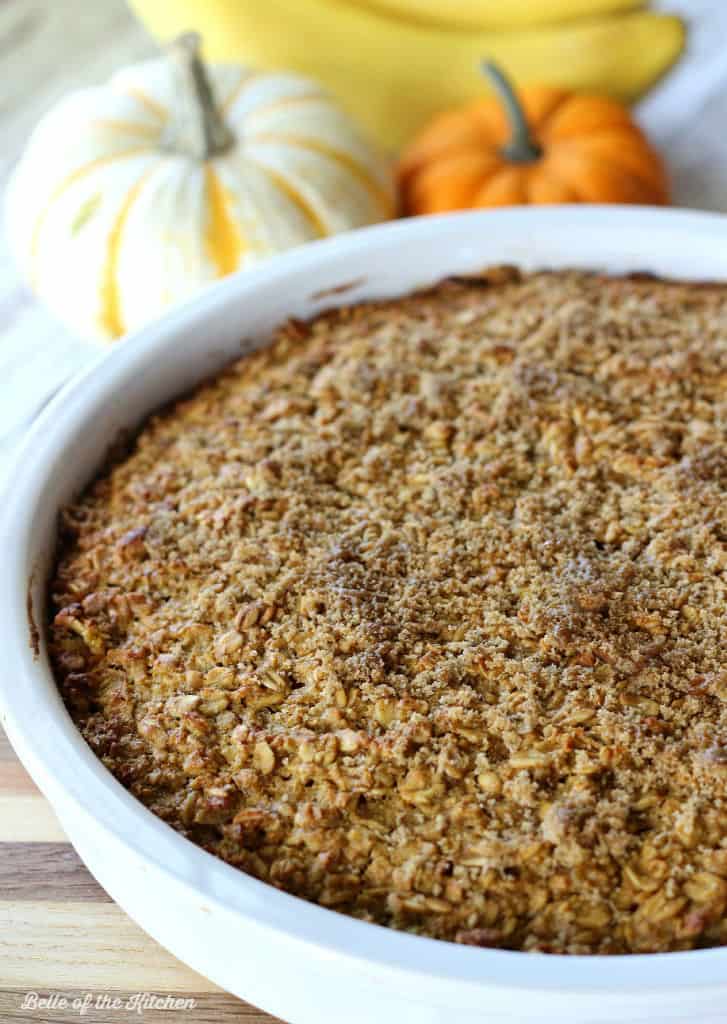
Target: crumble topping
{"x":420,"y":613}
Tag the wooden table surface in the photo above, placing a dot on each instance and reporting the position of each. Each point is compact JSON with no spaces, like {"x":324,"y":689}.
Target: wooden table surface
{"x":61,"y":934}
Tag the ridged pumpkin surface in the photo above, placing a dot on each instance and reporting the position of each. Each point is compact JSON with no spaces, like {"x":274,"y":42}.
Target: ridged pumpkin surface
{"x":591,"y":151}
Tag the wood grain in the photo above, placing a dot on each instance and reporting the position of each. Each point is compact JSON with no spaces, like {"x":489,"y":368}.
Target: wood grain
{"x":36,"y":872}
{"x":94,"y":945}
{"x":8,"y":754}
{"x":61,"y":934}
{"x":27,"y":818}
{"x":15,"y":778}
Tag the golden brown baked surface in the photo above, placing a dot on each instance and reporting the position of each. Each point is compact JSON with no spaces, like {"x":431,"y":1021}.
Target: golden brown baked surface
{"x":420,"y":613}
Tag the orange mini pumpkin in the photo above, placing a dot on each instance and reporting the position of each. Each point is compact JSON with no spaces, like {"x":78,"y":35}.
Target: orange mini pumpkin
{"x":545,"y":146}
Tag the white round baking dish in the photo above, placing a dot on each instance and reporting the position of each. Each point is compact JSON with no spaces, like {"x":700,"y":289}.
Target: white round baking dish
{"x":303,"y":963}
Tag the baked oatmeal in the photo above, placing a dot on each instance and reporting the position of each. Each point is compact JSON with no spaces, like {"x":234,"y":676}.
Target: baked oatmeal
{"x":419,"y":614}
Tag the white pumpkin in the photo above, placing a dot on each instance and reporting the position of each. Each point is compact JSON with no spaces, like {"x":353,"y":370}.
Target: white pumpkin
{"x":131,"y":196}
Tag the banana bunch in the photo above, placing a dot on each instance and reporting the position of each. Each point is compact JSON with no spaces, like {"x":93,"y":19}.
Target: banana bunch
{"x":395,"y":63}
{"x":500,"y":14}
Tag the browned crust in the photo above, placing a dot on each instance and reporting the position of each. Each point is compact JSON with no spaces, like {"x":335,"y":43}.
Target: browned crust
{"x":33,"y":631}
{"x":419,"y":613}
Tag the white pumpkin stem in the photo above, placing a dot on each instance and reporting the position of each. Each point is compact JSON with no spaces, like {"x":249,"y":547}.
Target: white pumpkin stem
{"x":196,"y":126}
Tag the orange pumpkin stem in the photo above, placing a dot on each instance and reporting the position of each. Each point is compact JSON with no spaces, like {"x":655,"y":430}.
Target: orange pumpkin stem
{"x":522,"y":147}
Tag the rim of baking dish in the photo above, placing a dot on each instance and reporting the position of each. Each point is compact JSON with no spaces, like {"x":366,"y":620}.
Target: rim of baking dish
{"x":66,"y":768}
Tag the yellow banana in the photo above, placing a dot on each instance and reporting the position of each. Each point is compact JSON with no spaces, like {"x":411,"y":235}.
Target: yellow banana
{"x":393,"y":75}
{"x":499,"y":13}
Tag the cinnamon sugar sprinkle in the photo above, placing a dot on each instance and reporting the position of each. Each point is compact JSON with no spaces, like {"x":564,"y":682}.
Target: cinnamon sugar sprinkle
{"x":420,"y":613}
